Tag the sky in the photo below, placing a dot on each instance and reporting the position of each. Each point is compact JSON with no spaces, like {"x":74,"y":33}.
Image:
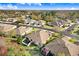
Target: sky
{"x":39,"y":6}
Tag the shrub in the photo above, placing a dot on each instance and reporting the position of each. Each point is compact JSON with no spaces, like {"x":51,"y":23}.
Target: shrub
{"x":50,"y":39}
{"x":19,"y":39}
{"x":77,"y":32}
{"x":2,"y":34}
{"x":14,"y":37}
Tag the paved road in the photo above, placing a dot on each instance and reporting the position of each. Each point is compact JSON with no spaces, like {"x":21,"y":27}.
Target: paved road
{"x":30,"y":26}
{"x":41,"y":28}
{"x":70,"y":28}
{"x":70,"y":35}
{"x":65,"y":32}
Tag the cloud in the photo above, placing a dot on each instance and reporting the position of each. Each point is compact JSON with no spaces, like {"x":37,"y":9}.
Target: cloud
{"x":15,"y":7}
{"x":39,"y":4}
{"x":72,"y":8}
{"x":9,"y":6}
{"x":29,"y":4}
{"x":23,"y":3}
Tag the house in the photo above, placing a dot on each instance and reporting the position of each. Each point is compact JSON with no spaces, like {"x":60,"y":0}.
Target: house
{"x":11,"y":19}
{"x":6,"y":27}
{"x":39,"y":37}
{"x":33,"y":22}
{"x":42,"y":22}
{"x":58,"y":23}
{"x":77,"y":20}
{"x":27,"y":19}
{"x":28,"y":16}
{"x":24,"y":30}
{"x":58,"y":47}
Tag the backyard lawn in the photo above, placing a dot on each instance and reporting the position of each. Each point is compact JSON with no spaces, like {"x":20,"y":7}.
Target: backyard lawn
{"x":15,"y":49}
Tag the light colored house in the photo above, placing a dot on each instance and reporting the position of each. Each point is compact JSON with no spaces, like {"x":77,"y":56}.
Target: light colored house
{"x":11,"y":19}
{"x":6,"y":27}
{"x":42,"y":22}
{"x":27,"y":19}
{"x":58,"y":23}
{"x":77,"y":20}
{"x":24,"y":30}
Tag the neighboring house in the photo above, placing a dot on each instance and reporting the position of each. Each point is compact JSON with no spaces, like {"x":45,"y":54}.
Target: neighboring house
{"x":58,"y":47}
{"x":33,"y":22}
{"x":77,"y":20}
{"x":6,"y":27}
{"x":28,"y":16}
{"x":27,"y":19}
{"x":39,"y":37}
{"x":36,"y":23}
{"x":24,"y":30}
{"x":11,"y":19}
{"x":58,"y":23}
{"x":42,"y":22}
{"x":30,"y":21}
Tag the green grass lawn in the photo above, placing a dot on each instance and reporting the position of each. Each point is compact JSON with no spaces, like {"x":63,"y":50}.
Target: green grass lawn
{"x":72,"y":40}
{"x":75,"y":30}
{"x":33,"y":29}
{"x":49,"y":27}
{"x":53,"y":37}
{"x":15,"y":49}
{"x":61,"y":54}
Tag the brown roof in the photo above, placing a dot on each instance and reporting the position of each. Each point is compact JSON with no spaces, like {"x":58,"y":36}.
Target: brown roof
{"x":73,"y":48}
{"x":58,"y":47}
